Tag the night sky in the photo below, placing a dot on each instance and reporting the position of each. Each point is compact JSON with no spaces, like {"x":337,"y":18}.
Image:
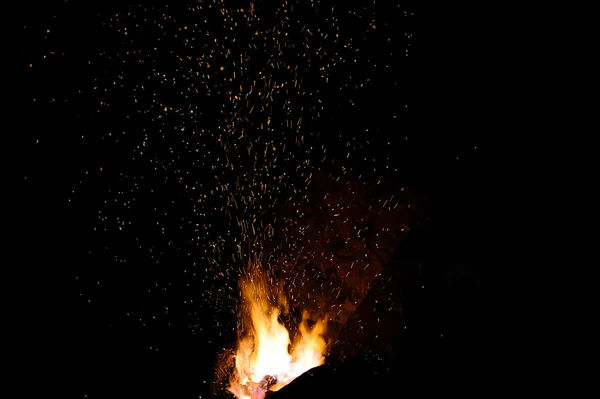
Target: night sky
{"x":155,"y":138}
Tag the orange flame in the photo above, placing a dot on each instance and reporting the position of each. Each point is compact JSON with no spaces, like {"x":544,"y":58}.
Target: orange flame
{"x":264,"y":360}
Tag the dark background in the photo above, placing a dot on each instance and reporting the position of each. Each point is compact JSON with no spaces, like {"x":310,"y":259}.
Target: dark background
{"x":457,"y":83}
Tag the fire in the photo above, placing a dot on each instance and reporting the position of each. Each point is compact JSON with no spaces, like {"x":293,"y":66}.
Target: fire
{"x":266,"y":359}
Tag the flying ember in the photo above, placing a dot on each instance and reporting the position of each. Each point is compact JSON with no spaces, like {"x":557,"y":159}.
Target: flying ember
{"x":265,"y":358}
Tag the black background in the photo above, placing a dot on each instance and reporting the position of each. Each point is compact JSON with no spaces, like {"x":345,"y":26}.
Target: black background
{"x":458,"y":87}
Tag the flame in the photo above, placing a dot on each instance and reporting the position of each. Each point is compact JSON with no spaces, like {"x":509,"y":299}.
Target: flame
{"x":265,"y":360}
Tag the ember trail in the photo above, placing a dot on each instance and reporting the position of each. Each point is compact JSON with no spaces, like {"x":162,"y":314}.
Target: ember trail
{"x":220,"y":125}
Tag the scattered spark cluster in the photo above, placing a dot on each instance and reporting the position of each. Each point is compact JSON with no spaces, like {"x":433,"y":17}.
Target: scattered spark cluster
{"x":210,"y":116}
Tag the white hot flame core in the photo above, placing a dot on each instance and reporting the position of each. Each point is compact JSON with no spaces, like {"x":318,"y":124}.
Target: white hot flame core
{"x":265,"y":360}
